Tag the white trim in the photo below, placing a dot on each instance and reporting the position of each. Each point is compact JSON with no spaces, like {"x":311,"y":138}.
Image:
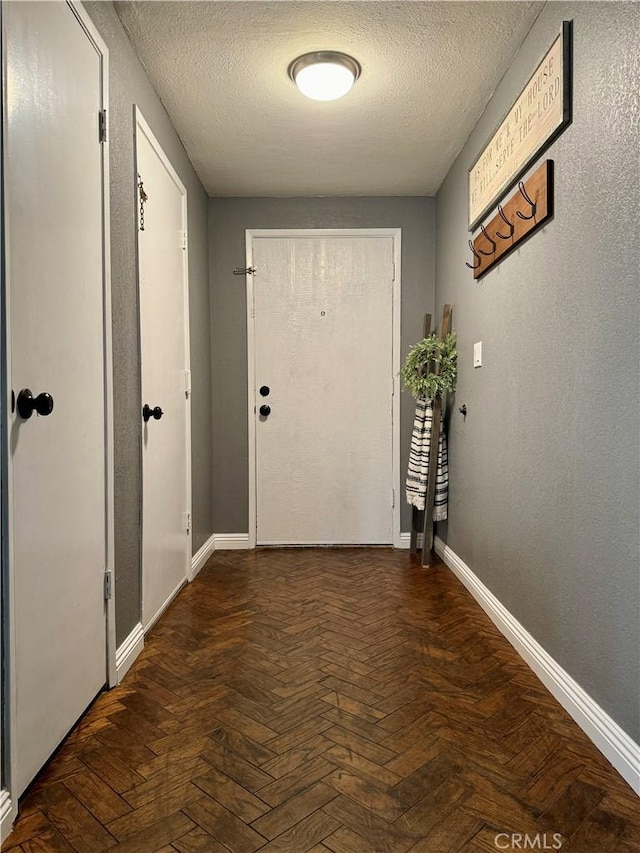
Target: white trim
{"x":164,"y":606}
{"x":7,"y":814}
{"x":95,"y":37}
{"x":614,"y":743}
{"x":280,"y":233}
{"x":10,"y":673}
{"x":404,"y":540}
{"x":251,"y":391}
{"x":327,"y":543}
{"x":202,"y":555}
{"x":233,"y":541}
{"x":187,"y":367}
{"x":153,"y":141}
{"x":129,"y":651}
{"x":141,"y":125}
{"x":396,"y":332}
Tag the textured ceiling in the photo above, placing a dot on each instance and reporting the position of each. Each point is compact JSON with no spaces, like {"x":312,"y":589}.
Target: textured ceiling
{"x":428,"y":70}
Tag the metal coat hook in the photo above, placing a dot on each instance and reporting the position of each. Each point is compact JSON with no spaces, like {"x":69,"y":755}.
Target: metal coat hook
{"x":512,"y":227}
{"x":475,"y":255}
{"x":524,"y":194}
{"x":489,"y":240}
{"x":500,"y":232}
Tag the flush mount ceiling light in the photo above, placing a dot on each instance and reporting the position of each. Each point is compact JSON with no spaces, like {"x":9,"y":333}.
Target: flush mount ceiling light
{"x":324,"y":75}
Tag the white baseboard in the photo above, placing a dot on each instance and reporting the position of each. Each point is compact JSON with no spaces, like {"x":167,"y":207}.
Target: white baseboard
{"x":240,"y":541}
{"x":202,"y":555}
{"x":614,"y":743}
{"x":7,"y":815}
{"x":405,"y":541}
{"x":129,"y":651}
{"x":164,"y":606}
{"x":231,"y":541}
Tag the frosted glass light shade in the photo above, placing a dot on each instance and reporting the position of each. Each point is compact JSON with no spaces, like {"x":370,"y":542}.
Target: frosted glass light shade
{"x":325,"y":81}
{"x":325,"y":75}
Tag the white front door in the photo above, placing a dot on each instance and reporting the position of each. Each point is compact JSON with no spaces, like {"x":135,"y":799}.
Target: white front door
{"x":55,"y":261}
{"x":166,"y":459}
{"x":323,"y":369}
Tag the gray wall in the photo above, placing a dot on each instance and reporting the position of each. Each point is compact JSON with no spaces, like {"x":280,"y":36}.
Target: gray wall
{"x":129,"y":85}
{"x":228,"y":219}
{"x":544,"y":472}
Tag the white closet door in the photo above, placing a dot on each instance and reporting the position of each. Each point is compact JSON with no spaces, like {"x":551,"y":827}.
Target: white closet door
{"x":166,"y":459}
{"x":323,"y":347}
{"x":55,"y":271}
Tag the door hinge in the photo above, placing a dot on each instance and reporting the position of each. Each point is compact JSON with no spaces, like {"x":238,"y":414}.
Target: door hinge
{"x":187,"y":522}
{"x":393,"y":498}
{"x":108,"y":584}
{"x":187,"y":384}
{"x":102,"y":126}
{"x":183,"y":240}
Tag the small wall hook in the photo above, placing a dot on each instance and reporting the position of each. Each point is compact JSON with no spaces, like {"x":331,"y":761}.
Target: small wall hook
{"x":489,"y":240}
{"x":475,"y":255}
{"x":512,"y":227}
{"x":525,"y":196}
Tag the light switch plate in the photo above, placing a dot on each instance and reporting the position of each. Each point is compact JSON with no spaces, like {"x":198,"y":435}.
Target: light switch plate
{"x":477,"y":354}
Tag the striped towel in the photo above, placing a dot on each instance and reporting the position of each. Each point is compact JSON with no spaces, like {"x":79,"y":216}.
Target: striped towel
{"x":418,"y":471}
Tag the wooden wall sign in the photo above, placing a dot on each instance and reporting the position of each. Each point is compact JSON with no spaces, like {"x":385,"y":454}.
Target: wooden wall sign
{"x":538,"y":117}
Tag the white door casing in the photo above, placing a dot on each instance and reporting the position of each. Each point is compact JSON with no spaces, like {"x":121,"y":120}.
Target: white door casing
{"x":165,"y":378}
{"x":323,"y":335}
{"x":58,"y":326}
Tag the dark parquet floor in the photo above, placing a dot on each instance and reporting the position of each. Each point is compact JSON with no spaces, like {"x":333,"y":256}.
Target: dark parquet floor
{"x":345,"y":700}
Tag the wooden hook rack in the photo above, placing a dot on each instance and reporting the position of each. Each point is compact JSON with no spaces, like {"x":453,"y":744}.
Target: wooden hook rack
{"x":530,"y":206}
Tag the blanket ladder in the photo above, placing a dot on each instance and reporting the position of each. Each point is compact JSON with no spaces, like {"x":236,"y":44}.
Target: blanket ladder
{"x":423,"y":520}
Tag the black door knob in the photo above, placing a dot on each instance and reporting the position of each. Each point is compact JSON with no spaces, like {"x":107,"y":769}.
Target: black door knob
{"x":264,"y":390}
{"x":28,"y":404}
{"x":265,"y":410}
{"x":148,"y":413}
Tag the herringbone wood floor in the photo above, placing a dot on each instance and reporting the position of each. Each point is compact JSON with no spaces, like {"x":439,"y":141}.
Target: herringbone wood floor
{"x":326,"y":700}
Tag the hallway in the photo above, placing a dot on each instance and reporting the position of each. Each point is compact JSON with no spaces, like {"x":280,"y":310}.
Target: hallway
{"x":338,"y":700}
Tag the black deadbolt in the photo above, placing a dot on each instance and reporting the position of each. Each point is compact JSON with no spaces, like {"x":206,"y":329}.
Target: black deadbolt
{"x":265,"y":410}
{"x":28,"y":404}
{"x":148,"y":412}
{"x":264,"y":390}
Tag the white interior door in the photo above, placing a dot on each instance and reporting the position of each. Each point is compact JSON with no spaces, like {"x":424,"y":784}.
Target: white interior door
{"x":323,"y":348}
{"x":166,"y":460}
{"x":54,"y":187}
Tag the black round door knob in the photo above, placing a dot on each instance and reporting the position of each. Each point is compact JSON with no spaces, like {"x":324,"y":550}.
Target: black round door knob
{"x":148,"y":413}
{"x":28,"y":404}
{"x":265,"y":410}
{"x":264,"y":390}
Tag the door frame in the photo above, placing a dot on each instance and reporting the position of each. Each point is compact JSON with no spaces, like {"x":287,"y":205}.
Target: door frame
{"x":142,"y":126}
{"x":283,"y":233}
{"x":8,"y":803}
